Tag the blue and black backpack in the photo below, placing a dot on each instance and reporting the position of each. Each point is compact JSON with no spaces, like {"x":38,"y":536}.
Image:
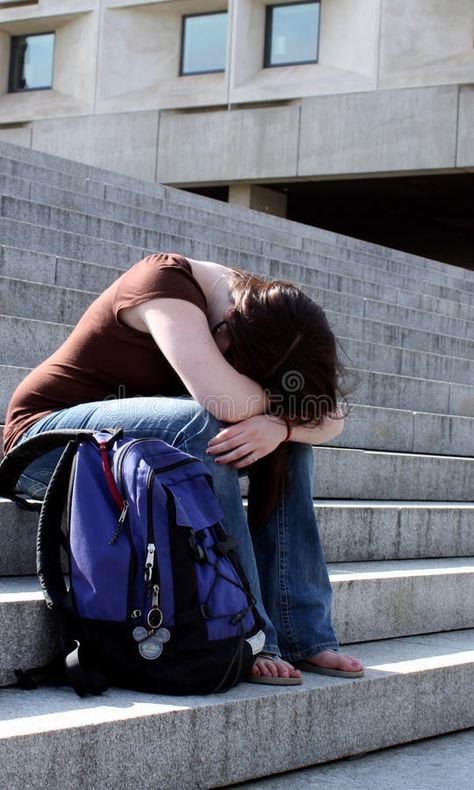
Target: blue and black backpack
{"x":156,"y":598}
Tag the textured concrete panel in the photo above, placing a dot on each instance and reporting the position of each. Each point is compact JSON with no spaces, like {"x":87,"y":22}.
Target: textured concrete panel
{"x":422,"y":43}
{"x":375,"y":600}
{"x":19,"y":136}
{"x":204,"y":741}
{"x":10,"y":377}
{"x":372,"y":600}
{"x":434,"y":431}
{"x":221,"y":146}
{"x":362,"y":474}
{"x":465,"y":157}
{"x":125,"y":142}
{"x":43,"y":302}
{"x":378,"y":132}
{"x":432,"y":764}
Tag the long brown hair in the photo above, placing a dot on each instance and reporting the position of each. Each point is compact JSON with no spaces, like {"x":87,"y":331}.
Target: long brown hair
{"x":281,"y":338}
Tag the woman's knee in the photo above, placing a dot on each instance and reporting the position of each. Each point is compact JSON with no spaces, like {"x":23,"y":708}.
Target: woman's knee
{"x":200,"y":428}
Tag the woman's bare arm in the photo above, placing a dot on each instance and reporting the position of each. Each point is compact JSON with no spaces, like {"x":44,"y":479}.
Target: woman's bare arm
{"x":331,"y":428}
{"x":181,"y":331}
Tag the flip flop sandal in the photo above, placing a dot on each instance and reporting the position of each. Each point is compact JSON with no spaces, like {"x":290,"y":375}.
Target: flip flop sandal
{"x":307,"y":666}
{"x":271,"y":680}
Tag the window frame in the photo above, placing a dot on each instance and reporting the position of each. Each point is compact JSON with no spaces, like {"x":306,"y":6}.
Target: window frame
{"x":11,"y":71}
{"x":267,"y":50}
{"x":183,"y":37}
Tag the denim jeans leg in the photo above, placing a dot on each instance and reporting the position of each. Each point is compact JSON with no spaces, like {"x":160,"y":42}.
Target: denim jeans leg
{"x":193,"y":439}
{"x":292,"y":569}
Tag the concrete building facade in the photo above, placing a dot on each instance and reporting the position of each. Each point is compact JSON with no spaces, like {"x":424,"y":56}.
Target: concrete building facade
{"x":390,"y":97}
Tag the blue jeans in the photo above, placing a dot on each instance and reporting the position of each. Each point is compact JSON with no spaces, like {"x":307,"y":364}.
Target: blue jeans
{"x":284,"y":562}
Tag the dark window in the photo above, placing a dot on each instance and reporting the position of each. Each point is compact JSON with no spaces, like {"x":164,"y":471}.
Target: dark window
{"x":204,"y":43}
{"x":31,"y":62}
{"x":291,"y":34}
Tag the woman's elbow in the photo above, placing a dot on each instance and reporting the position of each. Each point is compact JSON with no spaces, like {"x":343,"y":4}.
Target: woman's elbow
{"x":232,"y":409}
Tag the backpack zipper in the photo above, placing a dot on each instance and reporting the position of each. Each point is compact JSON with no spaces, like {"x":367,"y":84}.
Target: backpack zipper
{"x":175,"y":465}
{"x":152,"y":570}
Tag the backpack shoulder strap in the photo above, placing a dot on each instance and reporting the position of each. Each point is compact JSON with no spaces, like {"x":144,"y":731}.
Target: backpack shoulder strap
{"x":16,"y":461}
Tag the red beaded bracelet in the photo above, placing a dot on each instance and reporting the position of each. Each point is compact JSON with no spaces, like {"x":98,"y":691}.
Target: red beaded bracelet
{"x":288,"y":428}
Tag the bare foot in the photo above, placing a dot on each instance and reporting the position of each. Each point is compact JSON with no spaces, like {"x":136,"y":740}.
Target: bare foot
{"x":268,"y":667}
{"x":330,"y":660}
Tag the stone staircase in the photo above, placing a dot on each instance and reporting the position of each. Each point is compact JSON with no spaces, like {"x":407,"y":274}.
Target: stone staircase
{"x":393,"y":494}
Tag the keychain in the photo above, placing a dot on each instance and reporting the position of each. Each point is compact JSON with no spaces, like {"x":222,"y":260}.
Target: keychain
{"x":151,"y":640}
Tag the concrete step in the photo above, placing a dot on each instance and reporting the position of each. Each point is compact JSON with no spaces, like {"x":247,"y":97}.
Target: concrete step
{"x":372,"y":600}
{"x":18,"y":295}
{"x":397,"y":335}
{"x":394,"y":430}
{"x":24,"y":299}
{"x":384,"y":390}
{"x":405,"y":392}
{"x":151,"y":237}
{"x":348,"y":473}
{"x":83,"y":275}
{"x":120,"y":210}
{"x":356,"y":352}
{"x":187,"y":742}
{"x":351,"y":531}
{"x":28,"y":299}
{"x":342,"y":473}
{"x":431,"y":764}
{"x":26,"y":342}
{"x":378,"y":428}
{"x":65,"y":244}
{"x":132,"y":192}
{"x":405,"y":362}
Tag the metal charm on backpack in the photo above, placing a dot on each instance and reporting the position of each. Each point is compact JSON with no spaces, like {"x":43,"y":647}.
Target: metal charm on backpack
{"x":151,"y":641}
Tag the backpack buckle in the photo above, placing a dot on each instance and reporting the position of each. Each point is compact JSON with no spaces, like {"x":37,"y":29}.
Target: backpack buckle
{"x":198,"y":551}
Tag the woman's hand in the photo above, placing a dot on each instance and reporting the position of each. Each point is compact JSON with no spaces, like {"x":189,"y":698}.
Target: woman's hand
{"x":247,"y":441}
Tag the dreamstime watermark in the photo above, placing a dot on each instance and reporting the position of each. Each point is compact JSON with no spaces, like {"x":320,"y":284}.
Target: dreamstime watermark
{"x":288,"y":402}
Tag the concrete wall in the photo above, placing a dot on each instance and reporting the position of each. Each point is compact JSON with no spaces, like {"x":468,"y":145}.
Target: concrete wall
{"x":392,"y":91}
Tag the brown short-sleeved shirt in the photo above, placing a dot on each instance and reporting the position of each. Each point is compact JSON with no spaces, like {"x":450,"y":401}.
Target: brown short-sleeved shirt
{"x":103,"y":357}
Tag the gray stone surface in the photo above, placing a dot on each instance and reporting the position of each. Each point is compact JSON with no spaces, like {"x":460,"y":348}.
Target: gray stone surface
{"x":349,"y":290}
{"x":465,"y":153}
{"x":378,"y":428}
{"x":10,"y":377}
{"x":18,"y":540}
{"x":56,"y":178}
{"x":351,"y":531}
{"x":387,"y":130}
{"x":432,"y":764}
{"x":67,"y":244}
{"x":170,"y":233}
{"x":432,"y":431}
{"x":125,"y":142}
{"x":372,"y":600}
{"x":27,"y":265}
{"x":401,"y":336}
{"x":364,"y":474}
{"x":26,"y":342}
{"x":81,"y":201}
{"x":92,"y":176}
{"x":414,"y":688}
{"x":380,"y":600}
{"x":422,"y":319}
{"x":20,"y":137}
{"x":44,"y":192}
{"x":235,"y":142}
{"x":405,"y":362}
{"x":44,"y":302}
